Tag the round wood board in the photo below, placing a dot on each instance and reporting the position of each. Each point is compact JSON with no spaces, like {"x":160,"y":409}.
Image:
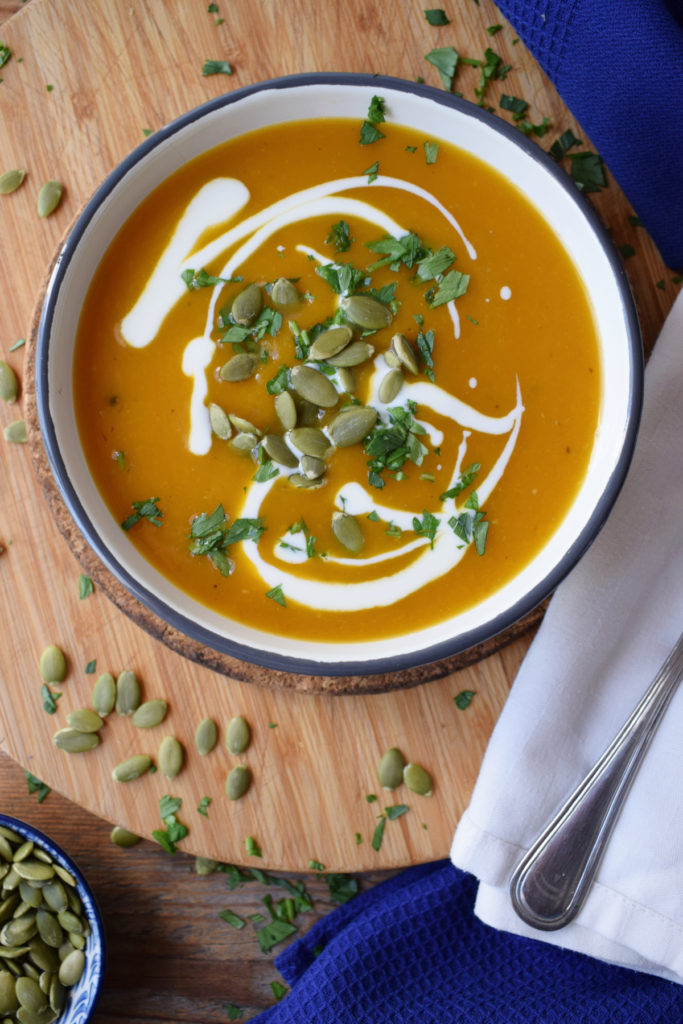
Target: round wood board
{"x":115,"y":69}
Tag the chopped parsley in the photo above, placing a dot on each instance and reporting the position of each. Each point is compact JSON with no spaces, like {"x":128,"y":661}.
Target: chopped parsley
{"x":340,"y":236}
{"x":539,"y":130}
{"x":371,"y":798}
{"x":342,"y":888}
{"x":470,"y":525}
{"x":278,"y":989}
{"x":431,"y":152}
{"x":378,"y":834}
{"x":588,"y":171}
{"x":425,"y":346}
{"x":233,"y":1012}
{"x":627,"y":251}
{"x":273,"y":933}
{"x":195,"y":279}
{"x":491,"y":68}
{"x":216,"y":67}
{"x":372,"y":172}
{"x":49,"y":698}
{"x":463,"y":699}
{"x":376,"y":114}
{"x":85,"y":586}
{"x":267,"y":469}
{"x":493,"y":29}
{"x":392,"y":445}
{"x":445,"y":60}
{"x":369,"y":133}
{"x":234,"y":920}
{"x":343,"y":278}
{"x":464,"y":480}
{"x":203,"y":808}
{"x":5,"y":54}
{"x":277,"y":595}
{"x":252,"y":847}
{"x":436,"y":263}
{"x":315,"y":865}
{"x":437,"y":16}
{"x":406,"y":250}
{"x":517,"y":107}
{"x":452,"y":286}
{"x":561,"y":146}
{"x":148,"y":510}
{"x":426,"y":527}
{"x":210,"y":535}
{"x":279,"y":383}
{"x":90,"y":667}
{"x":396,"y":810}
{"x":175,"y":830}
{"x":36,"y":786}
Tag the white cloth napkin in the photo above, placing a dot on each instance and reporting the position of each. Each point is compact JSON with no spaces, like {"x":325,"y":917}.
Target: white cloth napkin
{"x":608,"y":629}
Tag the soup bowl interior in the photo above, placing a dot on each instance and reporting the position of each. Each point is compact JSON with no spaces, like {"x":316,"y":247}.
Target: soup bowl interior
{"x":435,"y":115}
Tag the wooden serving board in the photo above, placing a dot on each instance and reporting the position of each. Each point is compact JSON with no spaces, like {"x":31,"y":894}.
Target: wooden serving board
{"x":86,"y":77}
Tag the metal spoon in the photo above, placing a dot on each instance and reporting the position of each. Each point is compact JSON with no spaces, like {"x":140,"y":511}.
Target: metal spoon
{"x":551,"y":882}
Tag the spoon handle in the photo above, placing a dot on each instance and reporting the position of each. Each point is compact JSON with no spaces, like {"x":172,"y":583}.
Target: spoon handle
{"x":551,"y":882}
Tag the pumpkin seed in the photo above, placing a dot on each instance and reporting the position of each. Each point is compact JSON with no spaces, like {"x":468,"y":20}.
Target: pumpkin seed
{"x":44,"y":1016}
{"x":206,"y":736}
{"x":18,"y":931}
{"x":11,"y":880}
{"x":43,"y":956}
{"x":311,"y":467}
{"x":10,"y":181}
{"x":351,"y":426}
{"x":417,"y":779}
{"x":9,"y":385}
{"x":404,"y":352}
{"x":220,"y":422}
{"x":237,"y":735}
{"x":84,"y":720}
{"x":285,"y":409}
{"x":390,"y":386}
{"x":10,"y":953}
{"x":77,"y":940}
{"x":34,"y":870}
{"x":52,"y":664}
{"x":49,"y":198}
{"x":314,"y":386}
{"x":306,"y":412}
{"x":127,"y":692}
{"x":277,"y":449}
{"x":57,"y":994}
{"x":8,"y":994}
{"x":284,"y":294}
{"x":44,"y":981}
{"x":9,"y":833}
{"x":390,"y":769}
{"x":54,"y":894}
{"x":242,"y":425}
{"x":301,"y":481}
{"x":75,"y":742}
{"x":24,"y":851}
{"x":30,"y":895}
{"x":353,"y":355}
{"x":205,"y":866}
{"x":132,"y":768}
{"x":71,"y":968}
{"x":391,"y":359}
{"x":29,"y":994}
{"x":49,"y":928}
{"x":16,"y":432}
{"x":330,"y":342}
{"x":365,"y":311}
{"x":244,"y":442}
{"x":240,"y":367}
{"x":347,"y":531}
{"x":6,"y":851}
{"x":310,"y":441}
{"x":247,"y":305}
{"x":149,"y":714}
{"x":122,"y":837}
{"x":170,"y":757}
{"x":65,"y":875}
{"x":104,"y":694}
{"x":238,"y":782}
{"x":346,"y":379}
{"x":70,"y":922}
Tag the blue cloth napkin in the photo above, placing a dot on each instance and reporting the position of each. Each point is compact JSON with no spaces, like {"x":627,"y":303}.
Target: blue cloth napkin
{"x":412,"y":950}
{"x":618,"y":65}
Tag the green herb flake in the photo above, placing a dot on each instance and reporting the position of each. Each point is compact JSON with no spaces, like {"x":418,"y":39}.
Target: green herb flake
{"x":203,"y":808}
{"x":359,"y":838}
{"x":36,"y":786}
{"x":493,"y":29}
{"x":411,"y":149}
{"x":216,"y":67}
{"x":463,"y":699}
{"x":465,"y":478}
{"x":279,"y":383}
{"x":369,"y":133}
{"x":627,"y":251}
{"x":561,"y":146}
{"x":279,"y":990}
{"x":49,"y":88}
{"x":371,"y":798}
{"x":426,"y":527}
{"x":661,"y":284}
{"x":212,"y":9}
{"x":588,"y":171}
{"x":49,"y":698}
{"x":252,"y":847}
{"x":85,"y":586}
{"x":5,"y":54}
{"x":372,"y":172}
{"x":273,"y":933}
{"x":378,"y":834}
{"x":267,"y":469}
{"x":516,"y":106}
{"x":539,"y":130}
{"x":195,"y":279}
{"x":144,"y":510}
{"x":272,"y":725}
{"x":277,"y":595}
{"x":452,"y":286}
{"x":91,"y":667}
{"x":340,"y":236}
{"x":431,"y":152}
{"x":677,"y":278}
{"x":234,"y":920}
{"x":396,"y":811}
{"x":634,"y":221}
{"x":376,"y":113}
{"x":315,"y":865}
{"x":445,"y":60}
{"x":342,"y":888}
{"x":233,"y":1012}
{"x":436,"y":16}
{"x":18,"y":344}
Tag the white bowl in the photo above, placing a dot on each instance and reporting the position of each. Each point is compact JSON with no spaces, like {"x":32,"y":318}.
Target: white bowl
{"x":436,"y":114}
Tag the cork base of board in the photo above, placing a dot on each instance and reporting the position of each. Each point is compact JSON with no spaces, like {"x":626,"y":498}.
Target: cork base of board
{"x":116,"y":67}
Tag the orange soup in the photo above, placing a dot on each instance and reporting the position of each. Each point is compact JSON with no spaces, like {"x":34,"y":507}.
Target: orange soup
{"x":334,"y":391}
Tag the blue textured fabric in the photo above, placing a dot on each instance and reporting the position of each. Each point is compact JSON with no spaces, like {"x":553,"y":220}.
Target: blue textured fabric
{"x":411,"y":950}
{"x":618,"y":65}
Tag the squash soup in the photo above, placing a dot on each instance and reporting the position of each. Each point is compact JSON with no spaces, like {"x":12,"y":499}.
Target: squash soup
{"x":336,"y":391}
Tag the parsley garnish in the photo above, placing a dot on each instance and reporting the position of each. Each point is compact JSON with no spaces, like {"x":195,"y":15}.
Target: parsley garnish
{"x":463,"y":699}
{"x":563,"y":144}
{"x":211,"y":536}
{"x":376,"y":110}
{"x":452,"y":286}
{"x":493,"y":29}
{"x":315,"y":865}
{"x":343,"y":278}
{"x":464,"y":480}
{"x":232,"y":919}
{"x":279,"y":383}
{"x":426,"y":527}
{"x":539,"y":130}
{"x":425,"y":346}
{"x":85,"y":586}
{"x":195,"y":279}
{"x":435,"y":263}
{"x":588,"y":172}
{"x":445,"y":60}
{"x":369,"y":133}
{"x":175,"y":830}
{"x":36,"y":786}
{"x":279,"y":990}
{"x":372,"y":172}
{"x":378,"y":834}
{"x":396,"y":810}
{"x":436,"y":16}
{"x":491,"y":69}
{"x":627,"y":251}
{"x":216,"y":67}
{"x":470,"y":525}
{"x":390,"y":446}
{"x":203,"y":808}
{"x":406,"y":250}
{"x":233,"y":1012}
{"x":340,"y":236}
{"x":371,"y":798}
{"x":267,"y":469}
{"x":277,"y":595}
{"x":5,"y":54}
{"x":18,"y":344}
{"x":431,"y":152}
{"x":49,"y":698}
{"x":516,"y":106}
{"x":273,"y":933}
{"x":90,"y":667}
{"x":144,"y":510}
{"x":342,"y":888}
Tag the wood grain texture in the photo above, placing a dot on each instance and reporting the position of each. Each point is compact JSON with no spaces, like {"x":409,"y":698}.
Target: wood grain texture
{"x":117,"y":67}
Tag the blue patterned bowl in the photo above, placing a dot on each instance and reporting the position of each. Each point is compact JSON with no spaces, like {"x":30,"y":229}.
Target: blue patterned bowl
{"x":83,"y":996}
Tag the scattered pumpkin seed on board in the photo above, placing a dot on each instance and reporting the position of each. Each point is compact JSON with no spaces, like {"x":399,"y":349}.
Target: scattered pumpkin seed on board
{"x":149,"y":714}
{"x":238,"y":782}
{"x":52,"y":664}
{"x":16,"y":432}
{"x":49,"y":198}
{"x":417,"y":779}
{"x":390,"y":769}
{"x":170,"y":757}
{"x":237,"y":735}
{"x":132,"y":768}
{"x":206,"y":736}
{"x":9,"y":385}
{"x":127,"y":692}
{"x":122,"y":837}
{"x":75,"y":742}
{"x":11,"y":180}
{"x":104,"y":694}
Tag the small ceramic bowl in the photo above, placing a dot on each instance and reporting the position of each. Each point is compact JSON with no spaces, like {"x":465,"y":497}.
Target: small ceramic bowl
{"x":83,"y":996}
{"x":435,"y":114}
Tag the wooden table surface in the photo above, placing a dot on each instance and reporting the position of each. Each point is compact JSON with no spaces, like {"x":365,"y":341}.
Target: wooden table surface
{"x":170,"y":957}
